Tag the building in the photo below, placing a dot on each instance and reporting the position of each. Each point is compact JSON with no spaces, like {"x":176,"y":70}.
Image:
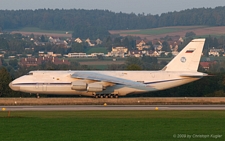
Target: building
{"x":48,"y":54}
{"x":140,"y":45}
{"x":215,"y":52}
{"x":78,"y":40}
{"x":135,"y":53}
{"x":118,"y":51}
{"x":77,"y":55}
{"x":89,"y":42}
{"x":206,"y":65}
{"x":31,"y":61}
{"x":96,"y":54}
{"x":98,"y":42}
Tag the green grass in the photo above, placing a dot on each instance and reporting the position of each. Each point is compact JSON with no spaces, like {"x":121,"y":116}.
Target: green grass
{"x":156,"y":31}
{"x":110,"y":125}
{"x":163,"y":30}
{"x":99,"y":67}
{"x":35,"y":29}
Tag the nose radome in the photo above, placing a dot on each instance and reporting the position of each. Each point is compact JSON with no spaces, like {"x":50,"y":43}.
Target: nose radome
{"x":14,"y":87}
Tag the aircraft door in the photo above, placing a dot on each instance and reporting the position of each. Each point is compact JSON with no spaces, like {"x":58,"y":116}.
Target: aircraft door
{"x":40,"y":87}
{"x":44,"y":87}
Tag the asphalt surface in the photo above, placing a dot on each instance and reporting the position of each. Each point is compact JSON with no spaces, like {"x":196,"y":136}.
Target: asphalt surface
{"x":110,"y":107}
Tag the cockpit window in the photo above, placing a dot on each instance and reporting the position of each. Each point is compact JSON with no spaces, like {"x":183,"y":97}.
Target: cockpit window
{"x":30,"y":73}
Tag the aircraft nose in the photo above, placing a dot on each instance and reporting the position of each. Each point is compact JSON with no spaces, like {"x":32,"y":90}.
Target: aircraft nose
{"x":13,"y":87}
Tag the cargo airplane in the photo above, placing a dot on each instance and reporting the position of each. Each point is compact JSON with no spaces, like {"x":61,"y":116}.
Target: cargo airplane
{"x":180,"y":70}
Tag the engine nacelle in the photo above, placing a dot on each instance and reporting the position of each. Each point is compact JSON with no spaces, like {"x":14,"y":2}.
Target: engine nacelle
{"x":95,"y":87}
{"x":79,"y":86}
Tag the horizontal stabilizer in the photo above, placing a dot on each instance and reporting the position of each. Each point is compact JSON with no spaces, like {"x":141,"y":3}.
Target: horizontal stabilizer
{"x":194,"y":74}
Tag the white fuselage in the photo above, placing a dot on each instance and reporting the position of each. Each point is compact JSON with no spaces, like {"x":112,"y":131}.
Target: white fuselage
{"x":59,"y":82}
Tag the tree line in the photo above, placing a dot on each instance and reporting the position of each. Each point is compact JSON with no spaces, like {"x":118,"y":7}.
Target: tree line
{"x":96,"y":23}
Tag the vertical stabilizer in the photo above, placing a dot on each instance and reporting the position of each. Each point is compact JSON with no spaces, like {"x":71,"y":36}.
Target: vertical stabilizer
{"x":188,"y":59}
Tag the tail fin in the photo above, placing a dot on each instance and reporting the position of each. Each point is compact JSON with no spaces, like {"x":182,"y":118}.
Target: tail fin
{"x":188,"y":59}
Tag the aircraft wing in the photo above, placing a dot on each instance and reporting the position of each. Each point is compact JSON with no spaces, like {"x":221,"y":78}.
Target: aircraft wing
{"x":105,"y":78}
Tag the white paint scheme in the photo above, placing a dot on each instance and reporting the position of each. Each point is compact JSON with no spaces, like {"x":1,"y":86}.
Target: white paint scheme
{"x":181,"y":70}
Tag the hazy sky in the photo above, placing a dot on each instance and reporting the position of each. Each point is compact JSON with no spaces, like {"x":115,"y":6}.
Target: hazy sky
{"x":126,"y":6}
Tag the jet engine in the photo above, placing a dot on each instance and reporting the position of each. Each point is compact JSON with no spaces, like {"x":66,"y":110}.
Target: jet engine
{"x":79,"y":86}
{"x":95,"y":87}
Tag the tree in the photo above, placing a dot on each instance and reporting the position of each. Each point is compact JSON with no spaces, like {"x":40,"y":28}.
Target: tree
{"x":96,"y":23}
{"x":169,"y":55}
{"x":100,"y":57}
{"x":108,"y":43}
{"x":133,"y":63}
{"x":150,"y":63}
{"x":190,"y":34}
{"x":134,"y":67}
{"x":116,"y":67}
{"x":43,"y":38}
{"x":125,"y":42}
{"x":163,"y":55}
{"x":3,"y":44}
{"x":166,"y":47}
{"x":215,"y":43}
{"x":77,"y":47}
{"x":117,"y":42}
{"x":5,"y":79}
{"x":13,"y":63}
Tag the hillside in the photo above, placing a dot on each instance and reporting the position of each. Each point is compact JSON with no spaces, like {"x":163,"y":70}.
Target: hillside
{"x":150,"y":34}
{"x":96,"y":23}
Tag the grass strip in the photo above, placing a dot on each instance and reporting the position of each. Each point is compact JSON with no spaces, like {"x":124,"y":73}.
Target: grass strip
{"x":111,"y":125}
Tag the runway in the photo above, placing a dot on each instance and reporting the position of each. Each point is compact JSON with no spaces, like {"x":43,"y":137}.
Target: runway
{"x":110,"y":107}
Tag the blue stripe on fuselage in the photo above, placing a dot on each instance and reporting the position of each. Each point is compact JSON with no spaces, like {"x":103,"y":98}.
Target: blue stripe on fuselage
{"x":70,"y":83}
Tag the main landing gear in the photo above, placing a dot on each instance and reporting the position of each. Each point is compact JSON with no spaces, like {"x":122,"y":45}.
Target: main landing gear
{"x":37,"y":96}
{"x":106,"y":96}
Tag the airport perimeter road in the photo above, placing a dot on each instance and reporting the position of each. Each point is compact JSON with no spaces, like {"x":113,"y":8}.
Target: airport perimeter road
{"x":111,"y":107}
